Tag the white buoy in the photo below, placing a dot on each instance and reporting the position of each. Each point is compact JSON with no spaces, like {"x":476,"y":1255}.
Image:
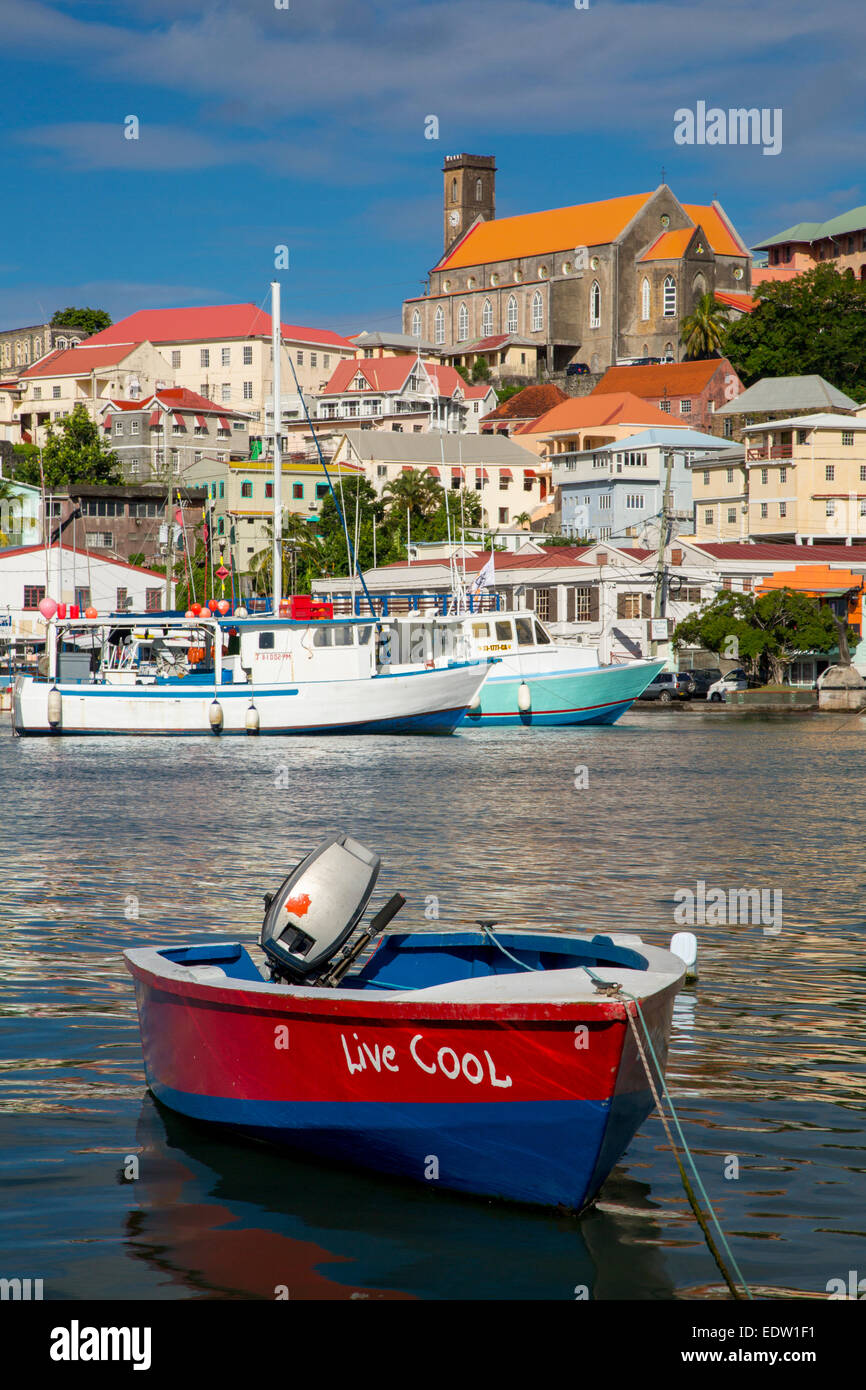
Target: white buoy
{"x":240,"y":612}
{"x":252,"y":720}
{"x":475,"y":703}
{"x":55,"y":706}
{"x":215,"y":715}
{"x":524,"y":698}
{"x":685,"y":945}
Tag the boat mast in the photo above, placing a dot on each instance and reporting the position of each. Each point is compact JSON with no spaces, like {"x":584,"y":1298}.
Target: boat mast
{"x":276,"y":343}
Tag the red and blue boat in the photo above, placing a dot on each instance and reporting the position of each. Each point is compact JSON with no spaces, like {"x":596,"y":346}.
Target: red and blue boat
{"x":496,"y":1061}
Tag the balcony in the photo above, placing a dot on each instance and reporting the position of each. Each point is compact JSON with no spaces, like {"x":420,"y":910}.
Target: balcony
{"x":774,"y":451}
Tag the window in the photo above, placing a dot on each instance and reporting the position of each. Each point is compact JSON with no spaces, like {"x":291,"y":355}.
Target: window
{"x":134,"y":426}
{"x":99,"y":540}
{"x":204,"y":357}
{"x":246,"y":489}
{"x":120,"y":601}
{"x":203,"y":388}
{"x":439,"y":326}
{"x":247,"y":355}
{"x":848,"y":437}
{"x":37,"y":393}
{"x":665,"y":405}
{"x":783,"y":475}
{"x":486,"y":319}
{"x":645,"y":299}
{"x":142,"y":509}
{"x":326,"y":359}
{"x":454,"y":190}
{"x":462,"y":324}
{"x":732,"y":514}
{"x":708,"y":517}
{"x":222,"y":489}
{"x":314,"y":359}
{"x":670,"y":297}
{"x":479,"y":191}
{"x":300,"y":357}
{"x":582,"y":609}
{"x":830,"y":508}
{"x":730,"y":475}
{"x":322,"y":490}
{"x":685,"y":407}
{"x":152,"y":600}
{"x":783,"y":509}
{"x":269,"y":489}
{"x":416,"y":326}
{"x":175,"y":358}
{"x":381,"y":470}
{"x":604,"y":502}
{"x":765,"y":476}
{"x":542,"y":604}
{"x":226,"y":393}
{"x":765,"y":511}
{"x":266,"y":641}
{"x":863,"y":472}
{"x":33,"y":595}
{"x":503,"y":516}
{"x":226,"y":357}
{"x":728,"y":429}
{"x":511,"y":315}
{"x":802,"y":436}
{"x":631,"y":605}
{"x":829,"y":473}
{"x":504,"y":632}
{"x":297,"y":491}
{"x":595,"y":305}
{"x":248,"y":390}
{"x":537,"y":312}
{"x":55,"y":393}
{"x":118,"y":427}
{"x":634,"y":501}
{"x":175,"y":461}
{"x":706,"y":477}
{"x":132,"y":466}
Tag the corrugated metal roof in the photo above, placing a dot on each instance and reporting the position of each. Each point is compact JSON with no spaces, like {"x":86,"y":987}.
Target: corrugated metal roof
{"x":393,"y":446}
{"x":788,"y":393}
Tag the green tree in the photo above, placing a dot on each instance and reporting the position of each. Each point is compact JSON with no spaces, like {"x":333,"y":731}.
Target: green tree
{"x":464,"y":372}
{"x":415,"y":491}
{"x":504,"y":393}
{"x":94,"y":320}
{"x":765,"y":634}
{"x":304,"y":557}
{"x":480,"y":370}
{"x":812,"y":324}
{"x":74,"y":452}
{"x":703,"y":331}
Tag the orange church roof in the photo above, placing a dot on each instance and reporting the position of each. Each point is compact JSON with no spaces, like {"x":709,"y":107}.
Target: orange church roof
{"x":584,"y":412}
{"x":670,"y":246}
{"x":719,"y":234}
{"x":506,"y":238}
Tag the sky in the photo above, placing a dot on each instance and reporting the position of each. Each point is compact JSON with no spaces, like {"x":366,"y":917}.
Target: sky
{"x":304,"y":126}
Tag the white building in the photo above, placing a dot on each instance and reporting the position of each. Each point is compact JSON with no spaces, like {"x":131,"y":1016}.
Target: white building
{"x":29,"y":574}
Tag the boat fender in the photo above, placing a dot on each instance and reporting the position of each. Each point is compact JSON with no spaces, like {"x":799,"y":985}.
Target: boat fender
{"x":475,"y":703}
{"x":685,"y":945}
{"x":252,"y":720}
{"x":524,"y":698}
{"x":215,"y":716}
{"x":55,"y":706}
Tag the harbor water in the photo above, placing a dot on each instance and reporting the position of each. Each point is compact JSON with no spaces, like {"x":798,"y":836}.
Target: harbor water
{"x":113,"y":842}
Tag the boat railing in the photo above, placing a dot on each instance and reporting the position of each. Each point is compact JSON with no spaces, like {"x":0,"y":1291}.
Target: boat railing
{"x":401,"y":605}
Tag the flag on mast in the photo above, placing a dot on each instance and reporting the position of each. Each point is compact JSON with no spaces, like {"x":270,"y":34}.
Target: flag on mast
{"x":484,"y":578}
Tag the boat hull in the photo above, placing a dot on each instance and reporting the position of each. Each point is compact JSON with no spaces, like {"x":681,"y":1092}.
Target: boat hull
{"x":431,"y":702}
{"x":599,"y":695}
{"x":532,"y":1104}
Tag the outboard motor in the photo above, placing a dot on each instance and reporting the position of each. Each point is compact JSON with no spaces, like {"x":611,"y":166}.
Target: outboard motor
{"x":316,"y":909}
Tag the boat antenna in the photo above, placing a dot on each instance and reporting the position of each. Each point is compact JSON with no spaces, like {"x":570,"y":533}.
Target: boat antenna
{"x":354,"y":562}
{"x":276,"y":342}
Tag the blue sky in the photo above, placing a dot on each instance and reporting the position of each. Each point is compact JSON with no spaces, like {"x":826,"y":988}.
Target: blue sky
{"x":305,"y":126}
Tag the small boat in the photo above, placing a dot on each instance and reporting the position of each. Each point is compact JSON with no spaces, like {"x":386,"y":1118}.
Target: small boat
{"x":537,"y":681}
{"x":500,"y":1063}
{"x":169,"y":674}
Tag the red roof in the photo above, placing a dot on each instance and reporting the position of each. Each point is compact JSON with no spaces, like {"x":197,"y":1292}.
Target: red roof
{"x":744,"y":302}
{"x":178,"y":397}
{"x":81,"y":361}
{"x":585,"y":412}
{"x":389,"y":374}
{"x":207,"y":322}
{"x":528,"y":404}
{"x":665,"y":378}
{"x":780,"y":551}
{"x":109,"y":559}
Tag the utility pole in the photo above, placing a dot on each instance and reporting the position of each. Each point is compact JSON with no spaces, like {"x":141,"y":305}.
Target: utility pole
{"x":276,"y":343}
{"x":169,"y":519}
{"x":660,"y":600}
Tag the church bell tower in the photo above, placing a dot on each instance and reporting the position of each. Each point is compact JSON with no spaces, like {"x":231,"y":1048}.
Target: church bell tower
{"x":470,"y":192}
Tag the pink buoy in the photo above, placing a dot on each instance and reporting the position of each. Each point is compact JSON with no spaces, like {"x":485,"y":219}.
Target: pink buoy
{"x":47,"y":607}
{"x":223,"y":606}
{"x":189,"y":613}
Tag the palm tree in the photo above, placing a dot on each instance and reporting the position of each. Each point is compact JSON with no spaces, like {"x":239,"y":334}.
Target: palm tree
{"x":303,"y":555}
{"x":523,"y":519}
{"x":414,"y":491}
{"x":703,"y":331}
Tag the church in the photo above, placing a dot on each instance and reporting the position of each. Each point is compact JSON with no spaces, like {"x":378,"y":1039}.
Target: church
{"x":595,"y":284}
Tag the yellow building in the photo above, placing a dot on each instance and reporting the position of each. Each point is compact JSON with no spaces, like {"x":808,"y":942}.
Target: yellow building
{"x":802,"y":479}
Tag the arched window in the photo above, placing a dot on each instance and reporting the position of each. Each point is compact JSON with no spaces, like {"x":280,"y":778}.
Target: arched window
{"x":37,"y":348}
{"x":595,"y":305}
{"x":439,"y":326}
{"x":511,"y":315}
{"x":416,"y":324}
{"x":537,"y":312}
{"x":670,"y":297}
{"x":669,"y":352}
{"x":479,"y":191}
{"x":645,"y":299}
{"x":454,"y":190}
{"x":486,"y":319}
{"x":699,"y":287}
{"x":462,"y":324}
{"x":18,"y":354}
{"x":61,"y":344}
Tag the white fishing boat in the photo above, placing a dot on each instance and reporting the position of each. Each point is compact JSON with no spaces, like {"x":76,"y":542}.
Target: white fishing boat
{"x":236,"y":675}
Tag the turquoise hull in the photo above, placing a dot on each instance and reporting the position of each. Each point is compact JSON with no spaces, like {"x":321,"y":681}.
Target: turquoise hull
{"x":592,"y":696}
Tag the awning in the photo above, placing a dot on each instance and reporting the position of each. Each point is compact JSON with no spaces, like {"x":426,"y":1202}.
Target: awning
{"x":432,"y":469}
{"x":154,"y":420}
{"x":505,"y":472}
{"x":457,"y":472}
{"x":483,"y":474}
{"x":407,"y":468}
{"x":224,"y":424}
{"x":529,"y":472}
{"x":201,"y":422}
{"x":106,"y":424}
{"x":179,"y":420}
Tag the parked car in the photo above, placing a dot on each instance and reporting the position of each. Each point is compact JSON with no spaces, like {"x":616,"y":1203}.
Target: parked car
{"x":577,"y":369}
{"x":734,"y":680}
{"x":667,"y":687}
{"x":700,"y":681}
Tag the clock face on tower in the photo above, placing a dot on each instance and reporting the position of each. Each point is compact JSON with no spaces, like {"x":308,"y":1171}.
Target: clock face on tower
{"x":454,"y":217}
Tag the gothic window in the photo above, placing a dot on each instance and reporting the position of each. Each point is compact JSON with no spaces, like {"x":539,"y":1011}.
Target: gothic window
{"x":699,"y":288}
{"x":486,"y":319}
{"x":595,"y":305}
{"x":511,"y":315}
{"x":478,"y":191}
{"x":645,"y":299}
{"x":416,"y":324}
{"x":537,"y":312}
{"x":462,"y":324}
{"x":439,"y":326}
{"x":670,"y":297}
{"x":37,"y":348}
{"x":454,"y":190}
